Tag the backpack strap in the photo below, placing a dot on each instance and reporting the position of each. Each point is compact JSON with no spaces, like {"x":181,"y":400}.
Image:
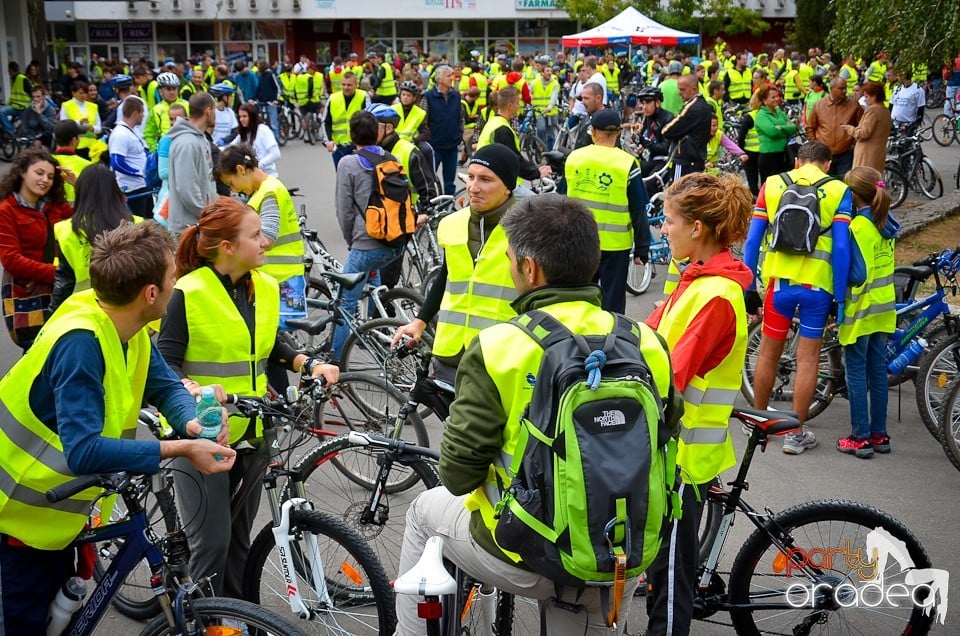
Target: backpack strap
{"x":545,"y":330}
{"x":787,"y":179}
{"x":820,"y":183}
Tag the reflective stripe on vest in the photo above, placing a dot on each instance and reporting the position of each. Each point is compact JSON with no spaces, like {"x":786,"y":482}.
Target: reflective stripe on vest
{"x":289,"y":83}
{"x":340,"y":113}
{"x":508,"y":342}
{"x":219,"y":350}
{"x":673,"y":278}
{"x":705,"y":449}
{"x":870,"y":308}
{"x":284,"y":259}
{"x":409,"y":124}
{"x":478,"y":294}
{"x":598,"y":176}
{"x":31,"y":454}
{"x":814,"y":269}
{"x":472,"y":113}
{"x":388,"y":86}
{"x":304,"y":89}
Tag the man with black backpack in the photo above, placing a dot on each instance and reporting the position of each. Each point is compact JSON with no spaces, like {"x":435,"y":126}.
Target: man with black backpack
{"x":618,"y":414}
{"x":805,"y":269}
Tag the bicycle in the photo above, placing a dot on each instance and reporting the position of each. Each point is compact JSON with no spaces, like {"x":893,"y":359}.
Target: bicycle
{"x":288,"y":121}
{"x":182,"y":610}
{"x":946,"y":127}
{"x":422,"y":255}
{"x":639,"y":277}
{"x":949,"y":419}
{"x":904,"y":152}
{"x":777,"y":583}
{"x":531,"y":146}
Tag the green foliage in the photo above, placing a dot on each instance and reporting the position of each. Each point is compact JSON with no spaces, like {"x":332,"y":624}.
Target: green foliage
{"x":814,"y":18}
{"x":910,"y":33}
{"x":709,"y":17}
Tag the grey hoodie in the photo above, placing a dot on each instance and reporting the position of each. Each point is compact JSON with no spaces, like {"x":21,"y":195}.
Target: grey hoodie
{"x":191,"y":175}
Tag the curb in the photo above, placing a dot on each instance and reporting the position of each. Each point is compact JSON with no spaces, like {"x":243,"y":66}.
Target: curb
{"x":913,"y":220}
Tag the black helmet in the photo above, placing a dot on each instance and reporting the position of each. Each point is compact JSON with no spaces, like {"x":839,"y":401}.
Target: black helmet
{"x":650,"y":93}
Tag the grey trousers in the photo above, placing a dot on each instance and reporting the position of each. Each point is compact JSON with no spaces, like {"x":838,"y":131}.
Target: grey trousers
{"x":218,"y":546}
{"x":438,"y":512}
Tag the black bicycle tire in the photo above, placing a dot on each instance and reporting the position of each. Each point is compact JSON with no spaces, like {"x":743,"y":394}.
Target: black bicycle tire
{"x":381,"y":426}
{"x":376,"y":585}
{"x":943,"y":123}
{"x":793,"y":519}
{"x":9,"y":147}
{"x":927,"y":404}
{"x":646,"y":278}
{"x":896,"y":184}
{"x":710,"y":520}
{"x":232,"y":609}
{"x":400,"y":373}
{"x":948,"y":432}
{"x":345,"y":500}
{"x":411,"y":299}
{"x":283,"y":127}
{"x":930,"y":185}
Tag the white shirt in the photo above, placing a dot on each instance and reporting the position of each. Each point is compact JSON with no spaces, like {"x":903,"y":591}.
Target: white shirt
{"x":905,"y":101}
{"x":226,"y":121}
{"x":138,"y":127}
{"x":596,"y":78}
{"x":125,"y":142}
{"x":267,"y":149}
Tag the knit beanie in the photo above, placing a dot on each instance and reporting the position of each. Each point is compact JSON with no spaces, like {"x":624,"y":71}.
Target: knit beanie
{"x":502,"y":161}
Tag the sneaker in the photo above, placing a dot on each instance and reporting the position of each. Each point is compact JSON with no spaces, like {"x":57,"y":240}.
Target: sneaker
{"x":880,"y":443}
{"x":853,"y":446}
{"x":796,"y":444}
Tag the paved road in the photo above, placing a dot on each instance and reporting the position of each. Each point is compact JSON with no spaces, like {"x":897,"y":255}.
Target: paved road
{"x":915,"y":483}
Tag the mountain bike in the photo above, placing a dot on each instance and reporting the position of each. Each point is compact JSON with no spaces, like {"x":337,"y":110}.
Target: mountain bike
{"x":531,"y":146}
{"x":904,"y":151}
{"x":640,"y":276}
{"x":798,"y":572}
{"x":946,"y":127}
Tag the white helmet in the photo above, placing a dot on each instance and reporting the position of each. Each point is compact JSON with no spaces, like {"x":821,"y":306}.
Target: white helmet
{"x":168,"y":79}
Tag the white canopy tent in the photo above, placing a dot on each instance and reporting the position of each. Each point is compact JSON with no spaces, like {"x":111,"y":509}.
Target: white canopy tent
{"x":630,"y":27}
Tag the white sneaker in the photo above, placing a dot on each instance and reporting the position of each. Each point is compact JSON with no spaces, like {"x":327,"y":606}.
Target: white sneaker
{"x":796,"y":444}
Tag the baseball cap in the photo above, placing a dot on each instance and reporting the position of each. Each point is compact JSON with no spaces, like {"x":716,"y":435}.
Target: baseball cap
{"x":606,"y":120}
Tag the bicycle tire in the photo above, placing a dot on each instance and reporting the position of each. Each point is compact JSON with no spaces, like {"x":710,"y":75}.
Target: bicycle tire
{"x":402,"y":303}
{"x":822,"y":525}
{"x":366,"y":403}
{"x":533,"y":147}
{"x":938,"y":367}
{"x":949,"y":418}
{"x":781,"y":398}
{"x":367,"y":350}
{"x":944,"y":129}
{"x":213,"y":611}
{"x":709,"y":523}
{"x":333,"y":491}
{"x":8,"y":146}
{"x":929,"y":179}
{"x":461,"y":198}
{"x":926,"y":128}
{"x":896,"y":184}
{"x":358,"y":582}
{"x":639,"y":277}
{"x":283,"y":126}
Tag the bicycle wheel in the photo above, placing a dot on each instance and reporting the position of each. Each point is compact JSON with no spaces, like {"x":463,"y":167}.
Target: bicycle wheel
{"x":926,"y":128}
{"x":283,"y":125}
{"x":205,"y":614}
{"x":817,"y":544}
{"x":639,"y":277}
{"x":709,"y":522}
{"x":8,"y":146}
{"x":829,"y":375}
{"x":937,"y":370}
{"x":896,"y":184}
{"x":944,"y":129}
{"x":949,"y":419}
{"x":461,"y":198}
{"x":360,"y":598}
{"x":928,"y":178}
{"x":313,"y":129}
{"x":368,"y":351}
{"x":533,"y":147}
{"x":401,"y":303}
{"x":327,"y":481}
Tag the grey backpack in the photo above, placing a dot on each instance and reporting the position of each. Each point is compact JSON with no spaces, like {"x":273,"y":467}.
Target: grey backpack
{"x":796,"y":223}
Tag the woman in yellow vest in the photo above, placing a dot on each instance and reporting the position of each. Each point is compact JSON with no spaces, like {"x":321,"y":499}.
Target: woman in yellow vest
{"x":100,"y":206}
{"x":870,"y":315}
{"x":704,"y":323}
{"x":221,"y":329}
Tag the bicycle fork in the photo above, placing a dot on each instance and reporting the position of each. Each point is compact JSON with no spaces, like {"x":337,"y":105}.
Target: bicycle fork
{"x":310,"y":557}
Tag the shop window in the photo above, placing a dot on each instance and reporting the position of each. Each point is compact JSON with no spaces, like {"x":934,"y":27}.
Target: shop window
{"x":177,"y":51}
{"x":271,"y":30}
{"x":171,"y":31}
{"x":410,"y":29}
{"x":471,"y":29}
{"x":502,"y":29}
{"x":378,"y":29}
{"x":440,"y":28}
{"x":202,"y":32}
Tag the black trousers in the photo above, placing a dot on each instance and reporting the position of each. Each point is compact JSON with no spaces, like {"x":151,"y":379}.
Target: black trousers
{"x":841,"y":164}
{"x":771,"y":163}
{"x":673,"y":575}
{"x":751,"y":169}
{"x":612,"y":276}
{"x":140,"y":203}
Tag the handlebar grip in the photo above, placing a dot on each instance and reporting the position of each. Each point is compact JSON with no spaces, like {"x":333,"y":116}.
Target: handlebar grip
{"x":232,"y":398}
{"x":69,"y":489}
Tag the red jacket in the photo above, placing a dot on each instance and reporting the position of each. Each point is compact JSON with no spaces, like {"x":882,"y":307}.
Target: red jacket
{"x":23,"y":236}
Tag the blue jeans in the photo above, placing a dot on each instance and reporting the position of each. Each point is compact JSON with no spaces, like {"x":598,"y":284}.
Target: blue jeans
{"x":448,"y":158}
{"x":360,"y":261}
{"x":7,"y":113}
{"x":866,"y":362}
{"x":547,"y":130}
{"x":274,"y":115}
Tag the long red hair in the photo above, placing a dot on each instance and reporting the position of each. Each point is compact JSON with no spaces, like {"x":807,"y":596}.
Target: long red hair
{"x":199,"y":244}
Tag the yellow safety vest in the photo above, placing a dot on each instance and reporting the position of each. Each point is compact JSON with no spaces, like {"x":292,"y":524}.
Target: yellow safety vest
{"x":478,"y":294}
{"x":741,"y":83}
{"x":340,"y":113}
{"x":871,"y":307}
{"x":486,"y":135}
{"x":493,"y":71}
{"x":409,"y":124}
{"x":402,"y":151}
{"x":75,"y":163}
{"x":220,"y":350}
{"x":540,"y":95}
{"x":751,"y":142}
{"x":612,"y":77}
{"x":851,"y":79}
{"x":78,"y":113}
{"x":814,"y":269}
{"x":306,"y":88}
{"x":289,"y":83}
{"x":877,"y":72}
{"x":472,"y":113}
{"x":507,"y":342}
{"x":284,"y":259}
{"x":713,"y":150}
{"x":806,"y":71}
{"x":791,"y":91}
{"x":19,"y":97}
{"x":76,"y":250}
{"x":159,"y":122}
{"x":150,"y":94}
{"x":649,"y":71}
{"x":31,"y":455}
{"x":210,"y":76}
{"x":705,"y":449}
{"x":920,"y":73}
{"x":811,"y":100}
{"x":598,"y":176}
{"x":673,"y":278}
{"x":388,"y":86}
{"x":336,"y":79}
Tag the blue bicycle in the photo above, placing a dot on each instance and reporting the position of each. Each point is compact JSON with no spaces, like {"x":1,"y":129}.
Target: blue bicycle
{"x":640,"y":276}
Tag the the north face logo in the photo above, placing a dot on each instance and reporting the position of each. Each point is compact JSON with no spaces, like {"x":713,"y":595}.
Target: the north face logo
{"x":610,"y":418}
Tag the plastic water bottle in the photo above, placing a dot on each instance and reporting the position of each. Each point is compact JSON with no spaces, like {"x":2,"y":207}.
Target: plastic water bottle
{"x":209,"y":414}
{"x":907,"y":357}
{"x":68,"y":600}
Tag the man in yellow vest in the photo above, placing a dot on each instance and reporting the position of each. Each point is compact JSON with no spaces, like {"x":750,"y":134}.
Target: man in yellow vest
{"x":335,"y":75}
{"x":19,"y":97}
{"x":336,"y":121}
{"x":497,"y":129}
{"x":146,"y":86}
{"x":608,"y":181}
{"x":552,"y":246}
{"x":66,"y":134}
{"x":848,"y":73}
{"x":472,"y":117}
{"x":69,"y":407}
{"x":86,"y":114}
{"x":473,"y":289}
{"x":158,"y":119}
{"x":808,"y":282}
{"x":382,"y":82}
{"x":288,"y":84}
{"x":195,"y":85}
{"x":545,"y":97}
{"x":877,"y":71}
{"x":738,"y":81}
{"x":308,"y":88}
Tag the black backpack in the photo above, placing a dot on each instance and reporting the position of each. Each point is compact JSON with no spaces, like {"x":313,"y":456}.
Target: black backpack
{"x":796,"y":223}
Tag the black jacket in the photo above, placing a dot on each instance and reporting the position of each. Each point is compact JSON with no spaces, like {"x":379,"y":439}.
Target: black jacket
{"x":691,"y":128}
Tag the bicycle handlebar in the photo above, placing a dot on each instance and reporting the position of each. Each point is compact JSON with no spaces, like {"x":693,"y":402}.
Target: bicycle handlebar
{"x":78,"y":485}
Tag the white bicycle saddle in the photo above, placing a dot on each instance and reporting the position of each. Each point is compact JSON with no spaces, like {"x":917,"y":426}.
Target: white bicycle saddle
{"x":428,"y":577}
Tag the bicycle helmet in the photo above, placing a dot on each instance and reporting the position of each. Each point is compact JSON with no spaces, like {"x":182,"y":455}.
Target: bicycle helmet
{"x":544,"y":59}
{"x":650,"y":93}
{"x":119,"y":81}
{"x":222,"y":88}
{"x":384,"y":113}
{"x":168,"y":80}
{"x":410,"y":87}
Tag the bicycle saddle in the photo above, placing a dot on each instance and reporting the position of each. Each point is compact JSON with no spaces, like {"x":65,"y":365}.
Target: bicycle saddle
{"x":915,"y":272}
{"x":770,"y":422}
{"x":429,"y":577}
{"x":555,"y":157}
{"x":347,"y":281}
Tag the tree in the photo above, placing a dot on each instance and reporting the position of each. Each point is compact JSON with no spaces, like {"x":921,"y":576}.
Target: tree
{"x":814,"y":18}
{"x":910,"y":33}
{"x":708,"y":16}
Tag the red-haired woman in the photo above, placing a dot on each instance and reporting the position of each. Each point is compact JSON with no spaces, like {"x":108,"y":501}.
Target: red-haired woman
{"x":221,"y":329}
